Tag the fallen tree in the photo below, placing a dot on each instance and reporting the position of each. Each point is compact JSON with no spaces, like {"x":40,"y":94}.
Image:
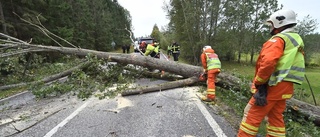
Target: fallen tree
{"x":190,"y":73}
{"x":310,"y":112}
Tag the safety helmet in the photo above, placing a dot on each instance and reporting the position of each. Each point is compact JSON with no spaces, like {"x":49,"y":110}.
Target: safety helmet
{"x":156,"y":44}
{"x":206,"y":47}
{"x":282,"y":18}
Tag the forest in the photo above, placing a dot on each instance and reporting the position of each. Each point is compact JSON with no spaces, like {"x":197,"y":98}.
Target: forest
{"x":234,"y":28}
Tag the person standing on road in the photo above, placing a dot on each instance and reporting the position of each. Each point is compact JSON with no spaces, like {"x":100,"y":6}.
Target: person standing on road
{"x":211,"y":67}
{"x":175,"y":51}
{"x":128,"y":48}
{"x":280,"y":64}
{"x":123,"y":48}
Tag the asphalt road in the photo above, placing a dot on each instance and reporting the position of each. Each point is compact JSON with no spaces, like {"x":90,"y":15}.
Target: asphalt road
{"x":170,"y":113}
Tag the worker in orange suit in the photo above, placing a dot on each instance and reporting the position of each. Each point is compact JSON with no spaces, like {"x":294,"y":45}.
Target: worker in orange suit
{"x":280,"y":65}
{"x":211,"y":66}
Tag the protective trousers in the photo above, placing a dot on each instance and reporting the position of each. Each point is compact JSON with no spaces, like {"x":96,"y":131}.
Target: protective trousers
{"x":175,"y":56}
{"x":253,"y":116}
{"x":211,"y":86}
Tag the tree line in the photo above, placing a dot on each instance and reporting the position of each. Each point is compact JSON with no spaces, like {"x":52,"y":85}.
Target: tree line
{"x":91,"y":24}
{"x":233,"y":27}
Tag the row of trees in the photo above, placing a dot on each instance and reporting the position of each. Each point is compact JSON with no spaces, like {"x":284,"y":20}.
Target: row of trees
{"x":232,"y":27}
{"x":86,"y":23}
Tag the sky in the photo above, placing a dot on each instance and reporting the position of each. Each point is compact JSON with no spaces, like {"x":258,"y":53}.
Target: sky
{"x":146,"y":13}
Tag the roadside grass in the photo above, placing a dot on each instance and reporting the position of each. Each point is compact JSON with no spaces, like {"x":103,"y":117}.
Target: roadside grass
{"x":302,"y":92}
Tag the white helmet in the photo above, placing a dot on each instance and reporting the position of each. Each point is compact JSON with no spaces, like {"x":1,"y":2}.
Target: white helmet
{"x":282,"y":17}
{"x":206,"y":47}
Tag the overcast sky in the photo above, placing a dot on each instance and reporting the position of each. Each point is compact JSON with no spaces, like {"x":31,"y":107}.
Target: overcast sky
{"x":146,"y":13}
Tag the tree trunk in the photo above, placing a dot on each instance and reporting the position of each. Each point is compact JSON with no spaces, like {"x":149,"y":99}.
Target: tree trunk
{"x":310,"y":112}
{"x":159,"y":87}
{"x":187,"y":71}
{"x":4,"y":26}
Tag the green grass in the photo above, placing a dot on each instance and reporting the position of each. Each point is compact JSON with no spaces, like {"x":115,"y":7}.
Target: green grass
{"x":245,"y":70}
{"x":302,"y":92}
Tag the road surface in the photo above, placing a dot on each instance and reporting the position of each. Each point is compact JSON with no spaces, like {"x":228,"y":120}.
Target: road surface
{"x":170,"y":113}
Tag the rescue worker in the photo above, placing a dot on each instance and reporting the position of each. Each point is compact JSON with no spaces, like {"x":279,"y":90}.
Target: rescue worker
{"x":128,"y":48}
{"x":123,"y":48}
{"x":175,"y":48}
{"x":143,"y":46}
{"x":153,"y":50}
{"x":211,"y":67}
{"x":280,"y":65}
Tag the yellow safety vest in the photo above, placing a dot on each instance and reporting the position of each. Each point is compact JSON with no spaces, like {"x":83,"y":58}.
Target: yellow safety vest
{"x":150,"y":49}
{"x":213,"y":61}
{"x":291,"y":66}
{"x":175,"y":48}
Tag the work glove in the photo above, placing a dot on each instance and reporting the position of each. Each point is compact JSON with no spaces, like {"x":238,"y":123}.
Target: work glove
{"x":203,"y":76}
{"x":261,"y":95}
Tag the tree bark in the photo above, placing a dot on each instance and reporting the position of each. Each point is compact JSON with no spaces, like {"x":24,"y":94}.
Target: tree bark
{"x":159,"y":87}
{"x":310,"y":112}
{"x":4,"y":26}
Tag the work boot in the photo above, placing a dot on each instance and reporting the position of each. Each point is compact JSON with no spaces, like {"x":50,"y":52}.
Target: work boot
{"x":206,"y":99}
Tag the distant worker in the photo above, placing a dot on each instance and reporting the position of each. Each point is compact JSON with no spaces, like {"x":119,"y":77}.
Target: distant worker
{"x":128,"y":48}
{"x":153,"y":50}
{"x":280,"y":64}
{"x":175,"y":48}
{"x":211,"y":67}
{"x":143,"y":46}
{"x":123,"y":48}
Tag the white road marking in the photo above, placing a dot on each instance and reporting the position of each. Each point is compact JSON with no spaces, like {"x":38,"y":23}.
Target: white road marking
{"x":65,"y":121}
{"x":214,"y":125}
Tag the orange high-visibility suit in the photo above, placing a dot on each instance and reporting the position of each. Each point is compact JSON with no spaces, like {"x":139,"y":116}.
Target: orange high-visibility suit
{"x":280,"y":65}
{"x":211,"y":73}
{"x":270,"y":53}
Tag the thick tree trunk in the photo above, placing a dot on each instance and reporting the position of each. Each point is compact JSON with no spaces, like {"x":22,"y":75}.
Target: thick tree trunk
{"x":310,"y":112}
